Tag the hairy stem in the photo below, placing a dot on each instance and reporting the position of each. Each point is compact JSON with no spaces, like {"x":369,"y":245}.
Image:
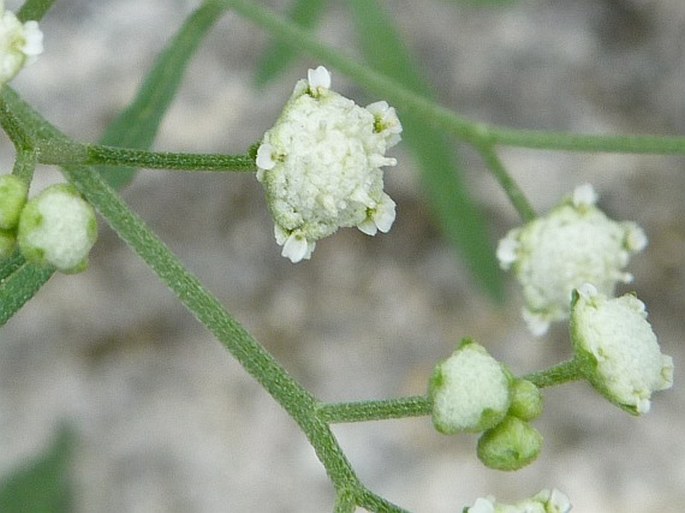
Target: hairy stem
{"x":362,"y":411}
{"x":465,"y":129}
{"x":127,"y":157}
{"x":557,"y":374}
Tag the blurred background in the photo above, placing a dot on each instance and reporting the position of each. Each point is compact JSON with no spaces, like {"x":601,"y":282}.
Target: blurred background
{"x":163,"y":420}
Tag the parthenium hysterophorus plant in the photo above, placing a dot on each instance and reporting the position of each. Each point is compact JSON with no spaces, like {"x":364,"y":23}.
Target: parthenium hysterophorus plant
{"x":321,"y":169}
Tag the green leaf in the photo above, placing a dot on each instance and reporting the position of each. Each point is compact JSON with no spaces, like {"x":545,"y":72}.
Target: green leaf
{"x":136,"y":127}
{"x":42,"y":485}
{"x":460,"y":219}
{"x":20,"y":286}
{"x":34,"y":9}
{"x":305,"y":13}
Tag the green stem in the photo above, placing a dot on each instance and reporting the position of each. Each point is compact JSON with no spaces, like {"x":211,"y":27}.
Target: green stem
{"x":127,"y":157}
{"x":557,"y":374}
{"x":25,"y":164}
{"x":441,"y":117}
{"x":362,"y":411}
{"x":299,"y":403}
{"x":511,"y":188}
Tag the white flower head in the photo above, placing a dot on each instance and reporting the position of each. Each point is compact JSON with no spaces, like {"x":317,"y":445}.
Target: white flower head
{"x":57,"y":228}
{"x":619,"y":352}
{"x":470,"y":390}
{"x":575,"y":243}
{"x":20,"y":44}
{"x":320,"y":166}
{"x":546,"y":501}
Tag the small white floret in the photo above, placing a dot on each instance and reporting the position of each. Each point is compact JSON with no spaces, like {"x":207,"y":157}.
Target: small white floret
{"x":20,"y":44}
{"x":265,"y":157}
{"x":319,"y":78}
{"x":584,"y":195}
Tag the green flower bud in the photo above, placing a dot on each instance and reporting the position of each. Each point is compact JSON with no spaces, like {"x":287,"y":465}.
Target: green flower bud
{"x":618,"y":350}
{"x":470,"y":391}
{"x":58,"y":228}
{"x":510,"y":445}
{"x":13,"y":194}
{"x":526,"y":400}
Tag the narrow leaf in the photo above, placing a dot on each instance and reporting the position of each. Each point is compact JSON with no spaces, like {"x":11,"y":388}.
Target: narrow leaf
{"x":137,"y":126}
{"x":20,"y":286}
{"x":305,"y":13}
{"x":459,"y":217}
{"x":42,"y":485}
{"x":34,"y":10}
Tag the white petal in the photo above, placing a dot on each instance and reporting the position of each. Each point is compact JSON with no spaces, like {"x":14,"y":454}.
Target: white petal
{"x":296,"y":248}
{"x":384,"y":216}
{"x":482,"y":506}
{"x":558,"y":502}
{"x":507,"y":251}
{"x":319,"y":78}
{"x":34,"y":39}
{"x":636,"y":240}
{"x":584,"y":195}
{"x":537,"y":324}
{"x":368,"y":227}
{"x":265,"y":157}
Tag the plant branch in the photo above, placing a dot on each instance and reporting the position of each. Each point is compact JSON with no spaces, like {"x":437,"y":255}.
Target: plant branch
{"x":362,"y":411}
{"x":511,"y":188}
{"x":441,"y":117}
{"x":98,"y":155}
{"x":557,"y":374}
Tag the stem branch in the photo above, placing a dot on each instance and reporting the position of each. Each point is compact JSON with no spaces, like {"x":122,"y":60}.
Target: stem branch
{"x":415,"y":406}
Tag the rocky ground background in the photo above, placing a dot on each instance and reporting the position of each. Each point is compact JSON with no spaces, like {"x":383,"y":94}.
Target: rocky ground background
{"x":167,"y":422}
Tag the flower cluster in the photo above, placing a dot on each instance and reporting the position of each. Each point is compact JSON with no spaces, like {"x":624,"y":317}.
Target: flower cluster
{"x":20,"y":44}
{"x":547,"y":501}
{"x":575,"y":243}
{"x":57,"y":228}
{"x":619,"y":351}
{"x":471,"y":392}
{"x":320,"y":166}
{"x":568,"y":264}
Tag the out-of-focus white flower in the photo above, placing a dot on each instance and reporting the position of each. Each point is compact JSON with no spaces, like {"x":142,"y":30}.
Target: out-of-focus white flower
{"x":20,"y":44}
{"x":320,"y":166}
{"x":575,"y":243}
{"x":547,"y":501}
{"x":470,"y":390}
{"x":618,"y":350}
{"x":57,"y":228}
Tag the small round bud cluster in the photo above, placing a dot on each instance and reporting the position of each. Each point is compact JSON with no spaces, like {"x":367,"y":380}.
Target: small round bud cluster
{"x":472,"y":392}
{"x":575,"y":243}
{"x":13,"y":194}
{"x":20,"y":44}
{"x":320,"y":166}
{"x":547,"y":501}
{"x":618,"y":350}
{"x":57,"y":228}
